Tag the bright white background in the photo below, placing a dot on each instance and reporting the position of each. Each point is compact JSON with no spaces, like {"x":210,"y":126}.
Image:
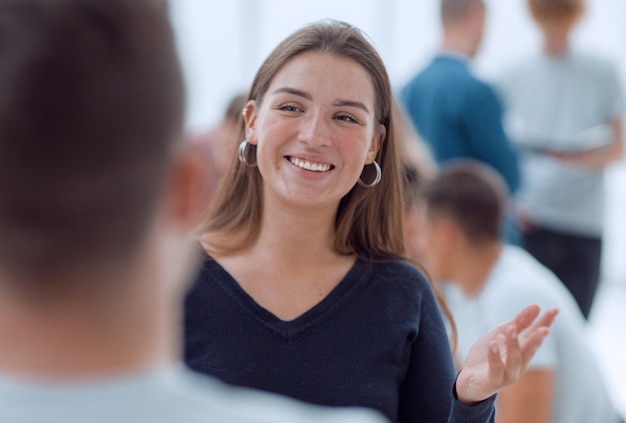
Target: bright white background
{"x":222,"y":43}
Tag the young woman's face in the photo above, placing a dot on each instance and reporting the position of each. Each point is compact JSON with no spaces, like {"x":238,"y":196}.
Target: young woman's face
{"x":314,"y":130}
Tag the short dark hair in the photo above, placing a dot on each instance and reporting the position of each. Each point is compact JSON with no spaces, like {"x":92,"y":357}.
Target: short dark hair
{"x":556,"y":11}
{"x":91,"y":105}
{"x":472,"y":195}
{"x":451,"y":10}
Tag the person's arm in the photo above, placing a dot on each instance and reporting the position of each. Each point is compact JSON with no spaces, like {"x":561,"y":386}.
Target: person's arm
{"x":426,"y":392}
{"x":482,"y":122}
{"x":599,"y":158}
{"x":530,"y":399}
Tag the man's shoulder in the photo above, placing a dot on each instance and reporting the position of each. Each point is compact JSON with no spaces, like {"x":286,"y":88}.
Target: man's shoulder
{"x":176,"y":395}
{"x":521,"y":279}
{"x":451,"y":84}
{"x":445,"y":68}
{"x":593,"y":62}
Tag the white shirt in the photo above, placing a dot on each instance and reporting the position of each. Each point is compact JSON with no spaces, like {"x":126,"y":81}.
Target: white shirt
{"x":515,"y":281}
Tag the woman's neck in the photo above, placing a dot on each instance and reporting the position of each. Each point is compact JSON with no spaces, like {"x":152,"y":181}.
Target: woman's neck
{"x":297,"y":235}
{"x":292,"y":265}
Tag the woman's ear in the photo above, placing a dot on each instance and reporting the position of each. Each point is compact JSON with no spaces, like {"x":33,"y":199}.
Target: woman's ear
{"x":249,"y":118}
{"x":376,"y":144}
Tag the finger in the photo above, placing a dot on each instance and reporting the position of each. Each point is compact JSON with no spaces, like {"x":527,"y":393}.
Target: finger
{"x":526,"y":317}
{"x":547,"y":319}
{"x":533,"y":342}
{"x":496,"y":367}
{"x":534,"y":336}
{"x":514,"y":357}
{"x":544,"y":321}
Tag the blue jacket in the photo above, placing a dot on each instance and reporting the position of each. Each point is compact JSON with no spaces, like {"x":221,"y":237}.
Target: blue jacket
{"x":460,"y":116}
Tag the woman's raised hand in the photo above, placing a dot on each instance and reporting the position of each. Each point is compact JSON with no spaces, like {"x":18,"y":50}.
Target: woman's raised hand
{"x":501,"y":356}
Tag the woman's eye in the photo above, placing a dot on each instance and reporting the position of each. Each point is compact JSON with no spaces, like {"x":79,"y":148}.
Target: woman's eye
{"x":346,"y":118}
{"x":289,"y":108}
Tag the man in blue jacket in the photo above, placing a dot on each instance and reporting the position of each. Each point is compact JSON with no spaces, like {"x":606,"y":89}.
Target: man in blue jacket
{"x":457,"y":114}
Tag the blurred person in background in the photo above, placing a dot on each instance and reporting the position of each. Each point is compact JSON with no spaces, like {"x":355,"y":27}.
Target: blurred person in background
{"x":484,"y":279}
{"x":305,"y":289}
{"x":412,"y":180}
{"x":416,"y":167}
{"x":565,"y":110}
{"x":457,"y":114}
{"x":412,"y":149}
{"x":96,"y":207}
{"x":219,"y":145}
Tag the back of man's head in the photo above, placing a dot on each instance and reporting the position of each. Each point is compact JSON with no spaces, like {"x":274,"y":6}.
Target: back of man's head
{"x":91,"y":106}
{"x":469,"y":194}
{"x":454,"y":10}
{"x":556,"y":12}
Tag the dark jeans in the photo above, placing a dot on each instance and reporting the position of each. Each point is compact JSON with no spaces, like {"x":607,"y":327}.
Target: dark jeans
{"x":574,"y":259}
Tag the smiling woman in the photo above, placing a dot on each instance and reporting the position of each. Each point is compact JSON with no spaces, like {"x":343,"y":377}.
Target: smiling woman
{"x":304,"y":290}
{"x":314,"y":132}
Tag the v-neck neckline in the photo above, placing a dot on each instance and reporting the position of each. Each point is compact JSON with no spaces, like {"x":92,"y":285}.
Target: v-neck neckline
{"x":286,"y":328}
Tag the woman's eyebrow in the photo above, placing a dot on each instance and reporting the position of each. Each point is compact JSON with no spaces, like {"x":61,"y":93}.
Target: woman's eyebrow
{"x":294,"y":91}
{"x":351,"y":103}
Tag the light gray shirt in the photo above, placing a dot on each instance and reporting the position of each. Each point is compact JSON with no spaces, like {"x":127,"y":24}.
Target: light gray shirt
{"x":515,"y":281}
{"x":168,"y":395}
{"x":563,"y":104}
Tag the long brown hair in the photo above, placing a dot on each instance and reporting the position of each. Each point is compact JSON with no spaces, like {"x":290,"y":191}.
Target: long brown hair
{"x":369,"y":220}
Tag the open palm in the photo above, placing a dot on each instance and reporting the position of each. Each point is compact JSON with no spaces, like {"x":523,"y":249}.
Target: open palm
{"x":501,"y":356}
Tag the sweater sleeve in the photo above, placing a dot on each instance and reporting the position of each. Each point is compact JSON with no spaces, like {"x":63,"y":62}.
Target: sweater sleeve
{"x":482,"y":122}
{"x":426,"y":393}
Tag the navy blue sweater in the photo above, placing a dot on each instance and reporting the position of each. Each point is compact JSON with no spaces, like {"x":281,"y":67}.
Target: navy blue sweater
{"x":377,"y":341}
{"x":460,"y":117}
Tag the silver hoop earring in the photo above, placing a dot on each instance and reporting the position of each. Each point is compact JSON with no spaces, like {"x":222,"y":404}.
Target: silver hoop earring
{"x":242,"y":153}
{"x":379,"y":176}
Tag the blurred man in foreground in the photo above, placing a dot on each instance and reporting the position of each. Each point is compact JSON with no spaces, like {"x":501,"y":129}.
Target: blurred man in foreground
{"x":96,"y":202}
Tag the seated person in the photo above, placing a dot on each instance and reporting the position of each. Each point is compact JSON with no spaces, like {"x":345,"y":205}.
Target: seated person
{"x":485,"y":281}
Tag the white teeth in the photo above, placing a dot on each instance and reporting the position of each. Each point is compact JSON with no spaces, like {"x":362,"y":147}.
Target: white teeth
{"x":305,"y":164}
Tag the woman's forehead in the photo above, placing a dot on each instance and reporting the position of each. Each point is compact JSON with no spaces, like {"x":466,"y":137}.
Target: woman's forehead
{"x":325,"y":74}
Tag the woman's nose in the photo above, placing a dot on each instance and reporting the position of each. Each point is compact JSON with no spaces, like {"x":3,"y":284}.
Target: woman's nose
{"x":315,"y":130}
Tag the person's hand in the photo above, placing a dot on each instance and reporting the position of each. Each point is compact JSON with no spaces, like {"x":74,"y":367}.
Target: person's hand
{"x":501,"y":356}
